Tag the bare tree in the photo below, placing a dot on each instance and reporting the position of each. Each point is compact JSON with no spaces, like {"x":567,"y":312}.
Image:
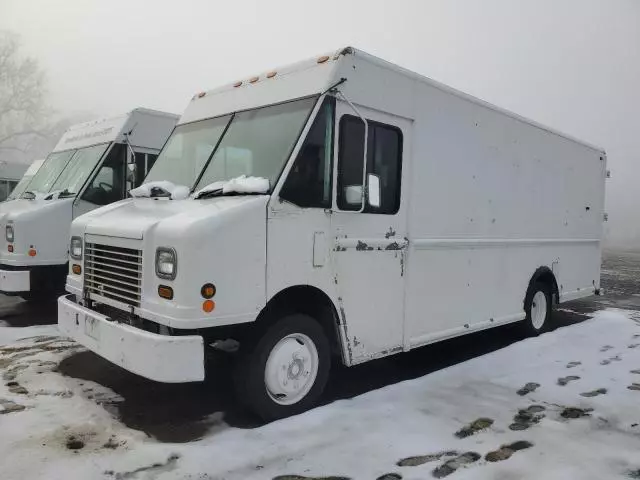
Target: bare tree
{"x":24,"y":113}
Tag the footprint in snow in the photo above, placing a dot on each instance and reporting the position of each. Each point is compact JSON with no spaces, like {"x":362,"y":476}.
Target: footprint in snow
{"x":450,"y":466}
{"x":637,"y":372}
{"x":302,"y":477}
{"x":528,"y":388}
{"x":525,"y":418}
{"x":506,"y":451}
{"x":573,"y":364}
{"x":422,"y":459}
{"x":15,"y":387}
{"x":7,"y":406}
{"x":474,"y":427}
{"x":390,"y":476}
{"x":633,"y":386}
{"x":562,"y":381}
{"x":606,"y":348}
{"x":609,"y":360}
{"x":575,"y":412}
{"x":595,"y":393}
{"x":634,"y":345}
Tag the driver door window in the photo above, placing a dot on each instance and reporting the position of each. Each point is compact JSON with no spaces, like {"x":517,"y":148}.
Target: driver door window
{"x":384,"y":161}
{"x":108,"y":185}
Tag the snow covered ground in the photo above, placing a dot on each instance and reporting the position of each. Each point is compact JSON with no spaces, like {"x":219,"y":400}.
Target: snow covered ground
{"x":558,"y":406}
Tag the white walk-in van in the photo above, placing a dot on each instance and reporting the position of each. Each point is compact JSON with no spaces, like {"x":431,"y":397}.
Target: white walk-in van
{"x":87,"y":168}
{"x":339,"y":208}
{"x":21,"y":186}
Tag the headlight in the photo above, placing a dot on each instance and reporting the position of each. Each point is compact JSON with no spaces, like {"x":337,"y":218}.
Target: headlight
{"x":75,"y":248}
{"x":8,"y":233}
{"x":166,"y":263}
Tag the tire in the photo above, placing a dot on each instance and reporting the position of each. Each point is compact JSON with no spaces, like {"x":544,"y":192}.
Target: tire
{"x":269,"y":365}
{"x":539,"y":310}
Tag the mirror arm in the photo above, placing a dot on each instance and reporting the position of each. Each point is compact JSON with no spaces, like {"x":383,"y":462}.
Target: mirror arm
{"x":366,"y":143}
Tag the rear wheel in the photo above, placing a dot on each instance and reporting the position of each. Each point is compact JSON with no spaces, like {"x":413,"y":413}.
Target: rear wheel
{"x":284,"y":371}
{"x":538,"y":308}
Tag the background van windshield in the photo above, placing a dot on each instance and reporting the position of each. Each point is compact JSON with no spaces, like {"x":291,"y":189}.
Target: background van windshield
{"x":258,"y":142}
{"x":66,"y":170}
{"x":49,"y":172}
{"x":79,"y":168}
{"x":187,"y":151}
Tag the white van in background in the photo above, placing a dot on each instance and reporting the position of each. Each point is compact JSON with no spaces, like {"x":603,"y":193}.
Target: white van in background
{"x":86,"y":169}
{"x":26,"y":178}
{"x":341,"y":207}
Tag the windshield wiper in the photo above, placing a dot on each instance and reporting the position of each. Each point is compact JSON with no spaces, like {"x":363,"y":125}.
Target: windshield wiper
{"x":66,"y":193}
{"x":210,"y":193}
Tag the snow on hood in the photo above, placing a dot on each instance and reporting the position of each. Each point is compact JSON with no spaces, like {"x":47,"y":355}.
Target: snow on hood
{"x":177,"y":192}
{"x":241,"y":184}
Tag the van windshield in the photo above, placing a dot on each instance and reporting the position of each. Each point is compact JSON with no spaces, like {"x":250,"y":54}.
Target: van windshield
{"x":255,"y":143}
{"x":66,"y":170}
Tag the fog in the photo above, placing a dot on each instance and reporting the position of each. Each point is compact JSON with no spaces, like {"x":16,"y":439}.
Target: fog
{"x":573,"y":64}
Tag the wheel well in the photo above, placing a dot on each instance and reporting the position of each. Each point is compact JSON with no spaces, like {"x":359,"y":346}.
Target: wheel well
{"x":546,"y":276}
{"x":309,"y":300}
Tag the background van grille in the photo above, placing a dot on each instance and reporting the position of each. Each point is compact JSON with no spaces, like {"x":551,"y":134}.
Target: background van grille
{"x":113,"y":272}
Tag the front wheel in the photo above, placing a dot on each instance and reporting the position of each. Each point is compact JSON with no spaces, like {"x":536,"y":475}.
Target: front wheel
{"x":284,"y":371}
{"x":538,"y":308}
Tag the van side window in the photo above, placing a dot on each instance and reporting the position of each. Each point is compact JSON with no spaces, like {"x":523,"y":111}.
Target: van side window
{"x":144,"y":162}
{"x":384,"y":159}
{"x":309,"y":182}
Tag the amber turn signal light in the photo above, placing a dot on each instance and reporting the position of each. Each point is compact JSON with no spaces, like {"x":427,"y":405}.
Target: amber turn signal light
{"x":77,"y":269}
{"x":165,"y":292}
{"x":32,"y":252}
{"x":10,"y":248}
{"x":208,"y":306}
{"x":208,"y":290}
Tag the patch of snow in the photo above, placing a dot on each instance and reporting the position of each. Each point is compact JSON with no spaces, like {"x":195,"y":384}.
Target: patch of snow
{"x":177,"y":192}
{"x":12,"y":334}
{"x":241,"y":184}
{"x":366,"y":436}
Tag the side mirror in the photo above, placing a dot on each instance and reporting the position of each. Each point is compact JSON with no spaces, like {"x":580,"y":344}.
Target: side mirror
{"x":373,"y":190}
{"x":132,"y":170}
{"x":353,"y":194}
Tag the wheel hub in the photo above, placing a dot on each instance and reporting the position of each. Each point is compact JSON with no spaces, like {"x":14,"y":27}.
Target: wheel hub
{"x":538,"y":310}
{"x":291,"y":369}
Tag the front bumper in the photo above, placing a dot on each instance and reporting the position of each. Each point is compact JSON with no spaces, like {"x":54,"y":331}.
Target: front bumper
{"x":162,"y":358}
{"x":15,"y":281}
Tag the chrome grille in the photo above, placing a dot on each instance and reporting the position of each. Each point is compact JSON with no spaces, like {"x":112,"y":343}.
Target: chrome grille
{"x":113,"y":272}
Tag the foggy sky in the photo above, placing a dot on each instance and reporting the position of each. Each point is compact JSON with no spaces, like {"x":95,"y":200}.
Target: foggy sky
{"x":571,"y":64}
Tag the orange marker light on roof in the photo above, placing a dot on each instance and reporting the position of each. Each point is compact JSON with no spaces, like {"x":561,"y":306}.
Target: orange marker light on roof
{"x":271,"y":74}
{"x":237,"y":84}
{"x":202,"y":94}
{"x":323,"y":59}
{"x":254,"y":79}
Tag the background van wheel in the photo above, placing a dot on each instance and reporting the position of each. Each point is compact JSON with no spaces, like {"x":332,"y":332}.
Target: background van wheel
{"x":284,"y":371}
{"x":539,"y":309}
